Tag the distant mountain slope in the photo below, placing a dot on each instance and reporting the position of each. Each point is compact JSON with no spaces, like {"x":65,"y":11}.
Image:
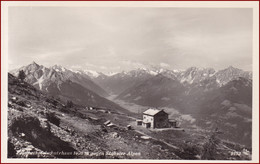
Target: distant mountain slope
{"x":23,"y":88}
{"x":195,"y":75}
{"x":231,"y":73}
{"x":42,"y":77}
{"x":82,"y":79}
{"x":236,"y":91}
{"x":196,"y":81}
{"x":117,"y":83}
{"x":156,"y":91}
{"x":230,"y":109}
{"x":62,"y":83}
{"x":69,"y":90}
{"x":162,"y":91}
{"x":120,"y":82}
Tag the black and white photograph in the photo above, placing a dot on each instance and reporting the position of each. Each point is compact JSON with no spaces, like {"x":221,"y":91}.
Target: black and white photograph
{"x":131,"y":82}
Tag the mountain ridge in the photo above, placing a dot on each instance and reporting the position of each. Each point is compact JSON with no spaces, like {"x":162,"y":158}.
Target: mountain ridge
{"x":41,"y":77}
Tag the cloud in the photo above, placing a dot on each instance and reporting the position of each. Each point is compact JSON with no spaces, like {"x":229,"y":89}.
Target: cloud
{"x":128,"y":38}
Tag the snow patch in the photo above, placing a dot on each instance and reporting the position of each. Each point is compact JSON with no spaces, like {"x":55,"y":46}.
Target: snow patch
{"x":176,"y":71}
{"x":39,"y":82}
{"x":92,"y":73}
{"x":153,"y":73}
{"x":75,"y":71}
{"x":161,"y":70}
{"x":111,"y":73}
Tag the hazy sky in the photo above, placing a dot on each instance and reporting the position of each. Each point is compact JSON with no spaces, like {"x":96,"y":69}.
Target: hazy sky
{"x":115,"y":39}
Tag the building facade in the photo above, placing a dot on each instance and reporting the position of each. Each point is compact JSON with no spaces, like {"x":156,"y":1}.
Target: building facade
{"x":155,"y":118}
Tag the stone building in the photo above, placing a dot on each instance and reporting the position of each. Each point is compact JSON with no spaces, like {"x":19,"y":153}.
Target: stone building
{"x":155,"y":118}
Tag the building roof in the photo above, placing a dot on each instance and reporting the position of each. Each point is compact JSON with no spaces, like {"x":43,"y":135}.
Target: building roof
{"x":152,"y":112}
{"x":111,"y":125}
{"x":107,"y":122}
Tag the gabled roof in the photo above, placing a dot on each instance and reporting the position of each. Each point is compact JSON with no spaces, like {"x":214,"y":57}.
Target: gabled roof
{"x":152,"y":112}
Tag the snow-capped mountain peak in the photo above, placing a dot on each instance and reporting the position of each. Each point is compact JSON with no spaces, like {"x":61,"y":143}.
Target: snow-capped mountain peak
{"x":53,"y":78}
{"x":76,"y":71}
{"x":92,"y":73}
{"x":194,"y":74}
{"x":111,"y":73}
{"x":59,"y":68}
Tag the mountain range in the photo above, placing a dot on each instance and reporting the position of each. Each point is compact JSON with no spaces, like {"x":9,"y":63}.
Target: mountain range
{"x":156,"y":87}
{"x":119,"y":82}
{"x":66,"y":85}
{"x":42,"y":77}
{"x":221,"y":97}
{"x":170,"y":88}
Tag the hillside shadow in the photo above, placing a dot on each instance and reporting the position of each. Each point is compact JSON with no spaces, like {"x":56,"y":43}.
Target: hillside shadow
{"x":40,"y":137}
